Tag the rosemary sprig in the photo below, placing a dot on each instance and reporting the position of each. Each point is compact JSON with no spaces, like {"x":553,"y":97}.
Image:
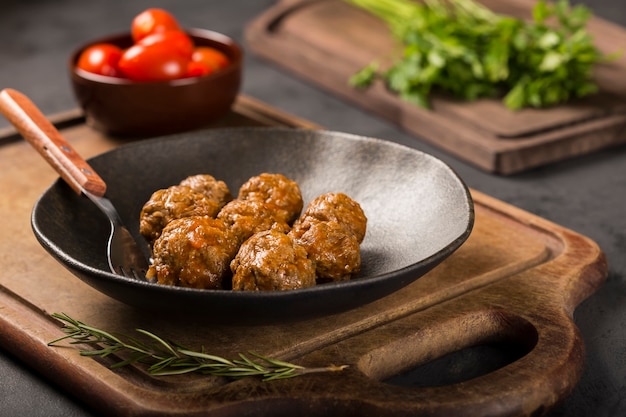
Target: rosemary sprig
{"x":170,"y":358}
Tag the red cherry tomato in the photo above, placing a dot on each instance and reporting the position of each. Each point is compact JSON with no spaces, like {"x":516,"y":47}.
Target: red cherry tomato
{"x":153,"y":62}
{"x":198,"y":69}
{"x":152,"y":21}
{"x":101,"y":59}
{"x":174,"y":41}
{"x":210,"y":56}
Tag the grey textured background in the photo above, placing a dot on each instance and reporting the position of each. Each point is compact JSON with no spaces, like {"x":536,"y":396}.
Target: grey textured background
{"x":586,"y":194}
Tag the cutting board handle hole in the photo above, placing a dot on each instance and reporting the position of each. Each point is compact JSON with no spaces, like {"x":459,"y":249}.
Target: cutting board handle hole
{"x":462,"y":365}
{"x":453,"y":351}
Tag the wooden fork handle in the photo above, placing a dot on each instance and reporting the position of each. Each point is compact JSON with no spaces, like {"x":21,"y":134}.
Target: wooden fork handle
{"x":43,"y":136}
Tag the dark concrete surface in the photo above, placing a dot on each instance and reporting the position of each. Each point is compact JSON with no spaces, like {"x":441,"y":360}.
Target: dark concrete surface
{"x":586,"y":194}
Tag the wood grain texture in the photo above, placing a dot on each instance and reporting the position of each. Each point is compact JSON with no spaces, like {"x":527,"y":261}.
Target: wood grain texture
{"x":326,"y":41}
{"x":517,"y":279}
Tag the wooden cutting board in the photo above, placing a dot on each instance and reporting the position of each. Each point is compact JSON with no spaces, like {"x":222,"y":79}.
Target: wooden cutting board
{"x":326,"y":41}
{"x":514,"y":283}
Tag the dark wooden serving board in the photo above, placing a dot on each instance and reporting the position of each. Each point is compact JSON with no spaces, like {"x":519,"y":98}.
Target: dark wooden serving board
{"x":326,"y":41}
{"x":516,"y":280}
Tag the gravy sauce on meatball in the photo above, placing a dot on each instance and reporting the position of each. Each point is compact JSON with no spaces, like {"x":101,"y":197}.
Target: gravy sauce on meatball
{"x":204,"y":238}
{"x":214,"y":189}
{"x":194,"y":252}
{"x":333,"y":248}
{"x":337,"y":207}
{"x":247,"y":217}
{"x":280,"y":193}
{"x":172,"y":203}
{"x":272,"y":260}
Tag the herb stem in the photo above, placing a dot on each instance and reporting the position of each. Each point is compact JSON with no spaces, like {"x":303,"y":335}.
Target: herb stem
{"x":169,"y":358}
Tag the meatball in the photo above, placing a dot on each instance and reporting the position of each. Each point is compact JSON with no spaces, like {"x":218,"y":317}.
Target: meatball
{"x":334,"y":249}
{"x":277,"y":191}
{"x":206,"y":184}
{"x":337,"y":207}
{"x":193,"y":252}
{"x":272,"y":260}
{"x":172,"y":203}
{"x":247,"y":217}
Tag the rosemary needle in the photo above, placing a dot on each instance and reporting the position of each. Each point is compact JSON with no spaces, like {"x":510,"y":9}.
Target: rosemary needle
{"x":170,"y":358}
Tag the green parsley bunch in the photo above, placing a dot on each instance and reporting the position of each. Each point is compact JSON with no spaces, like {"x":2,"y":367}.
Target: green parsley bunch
{"x":464,"y":49}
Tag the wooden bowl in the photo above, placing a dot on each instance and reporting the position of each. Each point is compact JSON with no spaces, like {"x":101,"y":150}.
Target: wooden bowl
{"x":123,"y":107}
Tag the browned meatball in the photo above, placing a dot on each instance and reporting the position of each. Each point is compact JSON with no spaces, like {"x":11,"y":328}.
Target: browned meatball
{"x":193,"y":252}
{"x":247,"y":217}
{"x":338,"y":207}
{"x":172,"y":203}
{"x":277,"y":191}
{"x":207,"y":184}
{"x":272,"y":260}
{"x":334,"y":249}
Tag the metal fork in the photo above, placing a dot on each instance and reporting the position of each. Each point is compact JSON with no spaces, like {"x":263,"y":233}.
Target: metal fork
{"x":124,"y":255}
